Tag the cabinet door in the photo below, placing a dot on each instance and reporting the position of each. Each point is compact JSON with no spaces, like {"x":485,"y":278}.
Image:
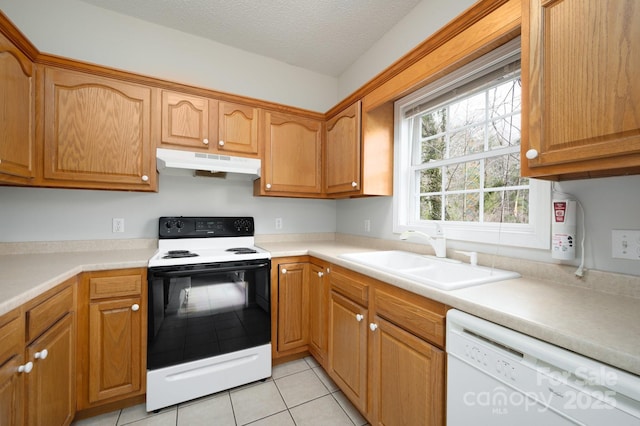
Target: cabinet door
{"x":12,"y":397}
{"x":51,"y":391}
{"x":188,"y":121}
{"x":318,"y":312}
{"x":293,"y":148}
{"x":115,"y":348}
{"x":293,"y":306}
{"x":97,"y":132}
{"x":17,"y":109}
{"x":407,"y":376}
{"x":238,"y":127}
{"x":12,"y":392}
{"x":580,"y":112}
{"x":348,"y":348}
{"x":342,"y":167}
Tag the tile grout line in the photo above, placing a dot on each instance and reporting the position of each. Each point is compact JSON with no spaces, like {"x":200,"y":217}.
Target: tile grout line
{"x":235,"y":418}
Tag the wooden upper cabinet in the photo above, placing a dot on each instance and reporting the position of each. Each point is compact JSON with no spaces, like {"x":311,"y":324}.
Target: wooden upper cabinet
{"x":17,"y":111}
{"x":580,"y":62}
{"x":189,"y":121}
{"x":238,"y":127}
{"x":342,"y":151}
{"x":196,"y":122}
{"x":293,"y":156}
{"x":97,"y":132}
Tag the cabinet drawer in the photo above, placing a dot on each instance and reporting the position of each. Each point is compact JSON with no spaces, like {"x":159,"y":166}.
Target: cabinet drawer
{"x":349,"y":285}
{"x":413,"y":317}
{"x":11,"y":336}
{"x":115,"y":286}
{"x":44,"y":315}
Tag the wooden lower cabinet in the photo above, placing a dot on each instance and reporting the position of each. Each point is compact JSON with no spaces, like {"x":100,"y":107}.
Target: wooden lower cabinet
{"x":38,"y":360}
{"x":318,"y":311}
{"x":12,"y":380}
{"x":407,"y":377}
{"x":114,"y":349}
{"x":293,"y":306}
{"x":51,"y":392}
{"x":112,"y":337}
{"x":12,"y":392}
{"x":348,"y":348}
{"x":386,"y":350}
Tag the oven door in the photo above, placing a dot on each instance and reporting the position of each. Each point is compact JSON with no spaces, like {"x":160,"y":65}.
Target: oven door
{"x":200,"y":311}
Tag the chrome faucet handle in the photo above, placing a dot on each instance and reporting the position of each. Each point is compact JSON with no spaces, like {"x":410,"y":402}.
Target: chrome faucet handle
{"x":473,"y":256}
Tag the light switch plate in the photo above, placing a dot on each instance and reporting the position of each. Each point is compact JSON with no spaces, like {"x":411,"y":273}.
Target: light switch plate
{"x":625,"y":244}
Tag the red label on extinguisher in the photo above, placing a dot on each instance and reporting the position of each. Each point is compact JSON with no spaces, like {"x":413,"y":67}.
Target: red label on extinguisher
{"x":560,"y":208}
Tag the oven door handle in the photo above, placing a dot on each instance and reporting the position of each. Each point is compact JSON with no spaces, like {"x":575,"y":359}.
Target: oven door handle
{"x":207,"y":270}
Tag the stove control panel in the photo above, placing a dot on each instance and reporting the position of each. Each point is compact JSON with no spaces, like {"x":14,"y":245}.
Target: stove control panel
{"x":205,"y":227}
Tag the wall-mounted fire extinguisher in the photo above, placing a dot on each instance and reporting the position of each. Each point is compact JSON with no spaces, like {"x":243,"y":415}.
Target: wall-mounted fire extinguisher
{"x":563,"y":229}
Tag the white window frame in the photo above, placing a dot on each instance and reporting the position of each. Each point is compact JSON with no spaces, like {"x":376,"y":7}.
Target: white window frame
{"x":535,"y":234}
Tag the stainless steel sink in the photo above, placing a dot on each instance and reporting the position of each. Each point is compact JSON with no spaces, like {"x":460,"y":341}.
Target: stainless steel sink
{"x":444,"y":274}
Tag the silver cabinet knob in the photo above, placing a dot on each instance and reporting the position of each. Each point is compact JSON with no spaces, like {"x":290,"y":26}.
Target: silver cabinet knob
{"x":283,"y":270}
{"x":268,"y":186}
{"x":43,"y":354}
{"x":205,"y":141}
{"x":135,"y":307}
{"x":145,"y":178}
{"x":359,"y":317}
{"x":221,"y":143}
{"x":320,"y":274}
{"x":354,"y":184}
{"x":26,"y":368}
{"x":373,"y":326}
{"x":531,"y":154}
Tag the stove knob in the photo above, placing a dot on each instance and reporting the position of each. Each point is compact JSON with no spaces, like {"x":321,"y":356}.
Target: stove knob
{"x":180,"y":224}
{"x":168,"y":225}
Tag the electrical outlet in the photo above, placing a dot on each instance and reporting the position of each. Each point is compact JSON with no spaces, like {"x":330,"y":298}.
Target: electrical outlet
{"x":625,"y":244}
{"x":278,"y":223}
{"x":117,"y":224}
{"x":367,"y":225}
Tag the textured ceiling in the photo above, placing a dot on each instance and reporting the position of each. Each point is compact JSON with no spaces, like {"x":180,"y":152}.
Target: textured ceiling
{"x":325,"y":36}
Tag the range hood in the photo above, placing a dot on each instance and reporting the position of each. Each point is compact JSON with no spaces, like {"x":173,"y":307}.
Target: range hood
{"x":177,"y":162}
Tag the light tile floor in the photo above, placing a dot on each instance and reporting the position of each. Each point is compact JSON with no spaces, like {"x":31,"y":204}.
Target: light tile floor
{"x":299,"y":393}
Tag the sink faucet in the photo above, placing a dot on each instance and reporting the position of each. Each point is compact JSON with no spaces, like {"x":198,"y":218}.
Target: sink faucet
{"x":439,"y":244}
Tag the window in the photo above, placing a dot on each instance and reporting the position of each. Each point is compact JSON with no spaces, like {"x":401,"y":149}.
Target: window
{"x":458,"y":157}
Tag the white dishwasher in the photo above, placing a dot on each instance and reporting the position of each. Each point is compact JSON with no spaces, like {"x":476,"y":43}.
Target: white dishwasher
{"x":496,"y":377}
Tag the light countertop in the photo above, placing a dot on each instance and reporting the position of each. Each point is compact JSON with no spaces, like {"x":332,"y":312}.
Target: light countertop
{"x":599,"y":325}
{"x":25,"y":276}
